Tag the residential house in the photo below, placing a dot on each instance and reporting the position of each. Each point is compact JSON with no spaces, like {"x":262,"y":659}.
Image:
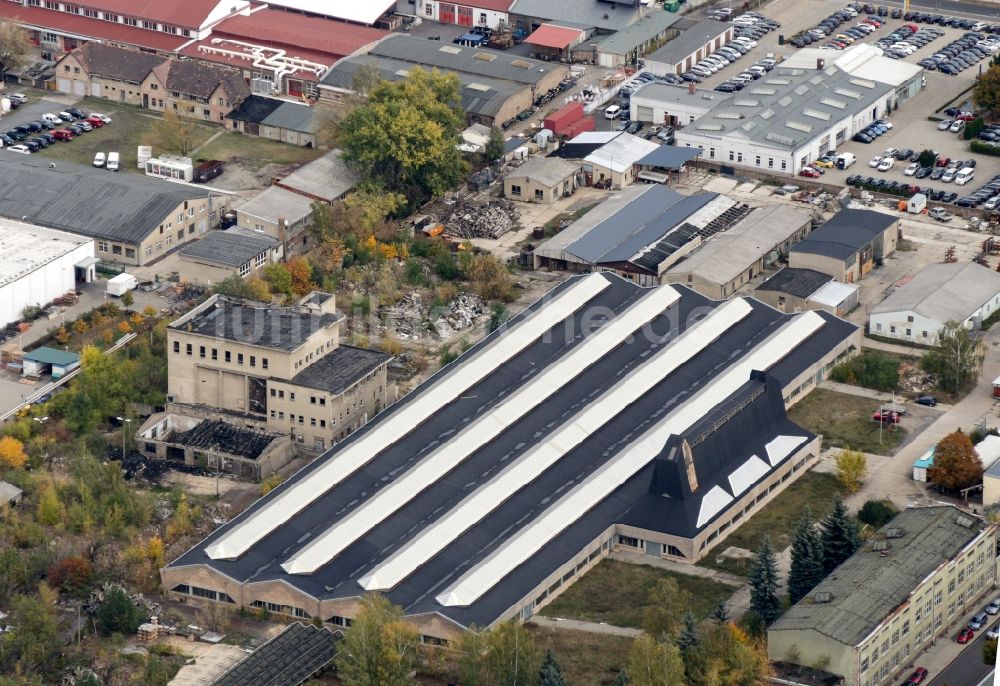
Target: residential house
{"x":105,"y":71}
{"x":542,"y":179}
{"x":194,"y":89}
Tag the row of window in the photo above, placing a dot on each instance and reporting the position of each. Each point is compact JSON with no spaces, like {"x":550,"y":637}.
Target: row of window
{"x":278,"y":414}
{"x":228,"y":355}
{"x":206,"y":593}
{"x":281,"y":609}
{"x":108,"y":16}
{"x":102,"y":246}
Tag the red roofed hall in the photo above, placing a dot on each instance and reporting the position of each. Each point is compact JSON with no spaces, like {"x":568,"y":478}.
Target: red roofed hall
{"x":554,"y":42}
{"x":491,"y":13}
{"x":190,"y":14}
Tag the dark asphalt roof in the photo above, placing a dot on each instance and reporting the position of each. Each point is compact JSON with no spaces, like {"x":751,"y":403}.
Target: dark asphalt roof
{"x":288,"y":659}
{"x":336,"y":371}
{"x":254,"y":109}
{"x":224,"y":437}
{"x":845,"y":233}
{"x":231,"y":248}
{"x":670,"y":156}
{"x":798,"y":282}
{"x":87,"y":201}
{"x":254,"y":323}
{"x":339,"y":578}
{"x":120,"y":64}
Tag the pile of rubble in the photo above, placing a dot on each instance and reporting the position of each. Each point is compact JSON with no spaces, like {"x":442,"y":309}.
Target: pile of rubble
{"x":461,"y":314}
{"x":489,"y":219}
{"x":139,"y":600}
{"x":914,"y":380}
{"x":405,"y":319}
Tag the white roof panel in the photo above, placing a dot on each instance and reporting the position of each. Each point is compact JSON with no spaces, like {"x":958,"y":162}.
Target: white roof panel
{"x":833,"y":293}
{"x":531,"y":464}
{"x":363,"y":12}
{"x":781,"y":447}
{"x":746,"y":474}
{"x":602,"y":482}
{"x":479,"y":432}
{"x":442,"y":391}
{"x":712,"y":504}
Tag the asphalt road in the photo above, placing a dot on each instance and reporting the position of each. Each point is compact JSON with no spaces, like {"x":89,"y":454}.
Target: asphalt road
{"x":947,"y":7}
{"x":968,"y":668}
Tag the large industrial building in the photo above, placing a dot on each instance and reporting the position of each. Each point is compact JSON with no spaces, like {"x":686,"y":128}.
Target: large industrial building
{"x":872,"y":617}
{"x":605,"y":416}
{"x":849,"y":245}
{"x":39,"y":265}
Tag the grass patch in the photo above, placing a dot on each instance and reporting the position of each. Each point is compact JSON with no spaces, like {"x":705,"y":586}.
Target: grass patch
{"x":586,"y":659}
{"x":895,"y":341}
{"x":845,"y":422}
{"x":597,"y":597}
{"x":815,"y":489}
{"x":255,"y":153}
{"x":129,"y":130}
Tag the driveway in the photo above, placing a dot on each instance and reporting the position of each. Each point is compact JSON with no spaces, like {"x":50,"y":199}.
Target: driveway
{"x":34,"y":109}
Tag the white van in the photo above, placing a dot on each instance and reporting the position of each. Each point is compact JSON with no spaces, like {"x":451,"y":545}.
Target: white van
{"x":845,"y":160}
{"x":964,"y":176}
{"x":112,"y":164}
{"x":52,"y":119}
{"x":612,"y":112}
{"x":99,"y":159}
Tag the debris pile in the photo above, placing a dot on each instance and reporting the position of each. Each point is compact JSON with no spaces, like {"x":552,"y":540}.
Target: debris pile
{"x":490,"y":219}
{"x":914,"y":380}
{"x":462,"y":313}
{"x":405,"y":319}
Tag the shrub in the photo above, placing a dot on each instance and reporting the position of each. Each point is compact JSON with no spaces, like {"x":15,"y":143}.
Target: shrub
{"x":877,"y":513}
{"x":984,"y":148}
{"x":871,"y":369}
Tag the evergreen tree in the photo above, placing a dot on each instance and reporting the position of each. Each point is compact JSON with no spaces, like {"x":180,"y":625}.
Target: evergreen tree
{"x":719,"y":614}
{"x":764,"y":583}
{"x":807,"y":558}
{"x":622,"y":679}
{"x":551,"y":673}
{"x":840,"y":536}
{"x":687,"y":640}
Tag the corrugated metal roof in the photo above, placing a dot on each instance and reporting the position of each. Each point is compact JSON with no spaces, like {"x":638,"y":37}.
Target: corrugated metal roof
{"x":941,"y":292}
{"x":233,"y":247}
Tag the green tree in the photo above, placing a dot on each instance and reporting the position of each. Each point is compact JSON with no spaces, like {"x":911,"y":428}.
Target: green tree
{"x":498,"y":316}
{"x":726,"y":655}
{"x":956,"y":463}
{"x":128,"y":299}
{"x":622,"y":679}
{"x":14,"y":45}
{"x":871,"y":369}
{"x":404,"y":136}
{"x":511,"y":654}
{"x":986,"y":92}
{"x":251,"y":288}
{"x":378,"y":649}
{"x":852,"y":468}
{"x":990,"y":652}
{"x":50,"y":508}
{"x":494,"y":146}
{"x":655,"y":663}
{"x":665,"y":607}
{"x":719,"y":613}
{"x":118,"y":614}
{"x":489,"y":278}
{"x":926,"y":157}
{"x":877,"y":513}
{"x":551,"y":673}
{"x":806,"y":570}
{"x":840,"y":536}
{"x":763,"y":581}
{"x":34,"y":642}
{"x":471,"y":648}
{"x":687,"y":639}
{"x":279,"y":279}
{"x":957,"y":358}
{"x":174,"y":133}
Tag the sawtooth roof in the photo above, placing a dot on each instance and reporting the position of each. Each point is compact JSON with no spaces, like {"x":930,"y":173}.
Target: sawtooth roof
{"x":87,"y":201}
{"x":502,"y":433}
{"x":868,"y":586}
{"x":941,"y":292}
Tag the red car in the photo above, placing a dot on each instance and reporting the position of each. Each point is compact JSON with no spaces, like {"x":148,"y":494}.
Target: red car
{"x":943,"y":161}
{"x":965,"y":635}
{"x":966,"y":116}
{"x":918,"y":676}
{"x":96,"y":122}
{"x":887,"y":416}
{"x":810,"y":172}
{"x":63,"y":135}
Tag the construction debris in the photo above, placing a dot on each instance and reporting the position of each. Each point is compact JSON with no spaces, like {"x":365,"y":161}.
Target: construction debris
{"x":463,"y":313}
{"x":489,"y":219}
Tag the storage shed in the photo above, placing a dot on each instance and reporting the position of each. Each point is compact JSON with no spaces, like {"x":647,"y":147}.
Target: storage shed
{"x":46,"y":360}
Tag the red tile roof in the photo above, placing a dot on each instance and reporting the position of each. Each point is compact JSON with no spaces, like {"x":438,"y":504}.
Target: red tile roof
{"x":494,"y":5}
{"x":96,"y":29}
{"x":552,"y":36}
{"x":184,"y":13}
{"x":316,"y":34}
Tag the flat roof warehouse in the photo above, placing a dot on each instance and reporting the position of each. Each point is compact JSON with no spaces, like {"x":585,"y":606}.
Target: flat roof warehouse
{"x":460,"y":524}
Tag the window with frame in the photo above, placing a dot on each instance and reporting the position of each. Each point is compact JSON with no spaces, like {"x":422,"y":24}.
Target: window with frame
{"x":244,"y":269}
{"x":515,"y":189}
{"x":102,"y":246}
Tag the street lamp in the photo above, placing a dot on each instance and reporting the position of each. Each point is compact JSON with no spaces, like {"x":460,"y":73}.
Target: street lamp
{"x":41,"y":420}
{"x":124,"y":422}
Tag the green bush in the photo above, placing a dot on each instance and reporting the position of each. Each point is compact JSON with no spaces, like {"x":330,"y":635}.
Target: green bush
{"x":984,"y":148}
{"x":973,"y":128}
{"x":877,"y":513}
{"x":871,"y":369}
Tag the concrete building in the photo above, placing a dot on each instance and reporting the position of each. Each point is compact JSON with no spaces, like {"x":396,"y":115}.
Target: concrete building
{"x":798,"y":290}
{"x":39,"y":265}
{"x":279,"y":120}
{"x":849,"y":245}
{"x":787,"y":119}
{"x":221,"y":254}
{"x":194,"y":89}
{"x":730,"y":260}
{"x":132,"y":219}
{"x":542,"y":180}
{"x":664,"y":103}
{"x":214,"y":444}
{"x":633,"y":42}
{"x":490,"y":13}
{"x":368,"y":13}
{"x":916,"y":580}
{"x":693,"y":41}
{"x":325,"y":179}
{"x":918,"y":309}
{"x":106,"y":71}
{"x":554,"y":42}
{"x":451,"y":505}
{"x":639,"y":233}
{"x":595,"y":16}
{"x":282,"y":370}
{"x":617,"y":161}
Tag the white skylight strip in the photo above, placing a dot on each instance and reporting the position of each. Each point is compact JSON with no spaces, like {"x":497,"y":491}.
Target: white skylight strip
{"x":744,"y":476}
{"x":289,"y":501}
{"x":534,"y":462}
{"x":712,"y":504}
{"x":601,"y":483}
{"x":781,"y":447}
{"x":479,"y":432}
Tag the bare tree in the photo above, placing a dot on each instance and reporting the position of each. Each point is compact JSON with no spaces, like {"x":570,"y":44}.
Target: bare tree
{"x":14,"y":45}
{"x":174,"y":133}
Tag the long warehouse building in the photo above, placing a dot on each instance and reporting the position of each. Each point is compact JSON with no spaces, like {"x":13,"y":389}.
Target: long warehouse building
{"x":605,"y":416}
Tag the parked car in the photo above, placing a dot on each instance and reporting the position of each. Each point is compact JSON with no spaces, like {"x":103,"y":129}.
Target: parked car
{"x":886,"y":164}
{"x":965,"y":635}
{"x":912,"y":169}
{"x":918,"y":677}
{"x":993,"y":607}
{"x":809,"y":172}
{"x":993,"y":633}
{"x":931,"y":401}
{"x":979,"y":621}
{"x":887,"y":416}
{"x":63,"y":135}
{"x":21,"y":149}
{"x":99,"y":159}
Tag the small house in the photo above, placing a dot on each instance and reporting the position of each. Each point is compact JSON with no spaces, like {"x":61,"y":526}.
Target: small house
{"x":9,"y":495}
{"x":49,"y":361}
